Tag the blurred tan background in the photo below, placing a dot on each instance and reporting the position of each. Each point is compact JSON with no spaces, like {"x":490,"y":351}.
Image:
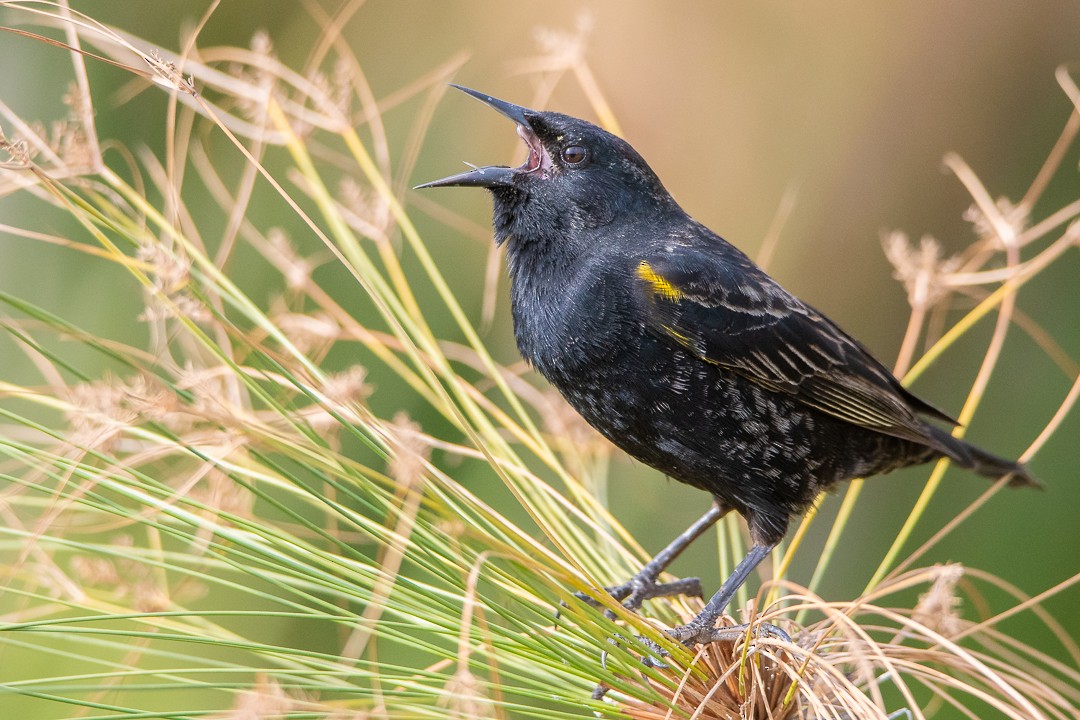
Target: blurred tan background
{"x":852,"y":105}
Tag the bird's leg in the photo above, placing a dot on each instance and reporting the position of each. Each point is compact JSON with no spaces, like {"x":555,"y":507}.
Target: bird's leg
{"x":643,"y":586}
{"x":702,"y":629}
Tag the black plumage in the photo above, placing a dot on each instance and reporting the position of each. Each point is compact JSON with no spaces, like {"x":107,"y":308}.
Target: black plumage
{"x":684,"y":353}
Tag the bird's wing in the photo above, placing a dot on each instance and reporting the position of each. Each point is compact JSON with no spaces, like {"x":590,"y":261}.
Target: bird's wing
{"x":727,"y":311}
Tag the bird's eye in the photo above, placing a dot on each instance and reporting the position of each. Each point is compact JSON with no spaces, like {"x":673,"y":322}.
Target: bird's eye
{"x":574,"y":154}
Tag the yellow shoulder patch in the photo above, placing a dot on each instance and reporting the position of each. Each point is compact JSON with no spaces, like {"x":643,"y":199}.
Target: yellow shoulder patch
{"x":657,"y":282}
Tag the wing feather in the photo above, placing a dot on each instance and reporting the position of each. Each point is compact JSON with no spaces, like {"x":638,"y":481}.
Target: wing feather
{"x":728,"y":312}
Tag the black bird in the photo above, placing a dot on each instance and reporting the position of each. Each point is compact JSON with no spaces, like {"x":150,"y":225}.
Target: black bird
{"x":685,"y":354}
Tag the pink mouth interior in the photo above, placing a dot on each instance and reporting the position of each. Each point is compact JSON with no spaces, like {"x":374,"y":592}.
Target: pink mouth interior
{"x":538,"y":158}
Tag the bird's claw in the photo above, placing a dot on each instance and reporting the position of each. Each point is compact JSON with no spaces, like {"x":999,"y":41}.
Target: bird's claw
{"x":633,"y":593}
{"x":638,"y":589}
{"x":690,"y":635}
{"x":601,"y":689}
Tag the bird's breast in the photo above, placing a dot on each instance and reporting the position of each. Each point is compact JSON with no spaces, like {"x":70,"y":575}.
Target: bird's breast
{"x":571,"y":323}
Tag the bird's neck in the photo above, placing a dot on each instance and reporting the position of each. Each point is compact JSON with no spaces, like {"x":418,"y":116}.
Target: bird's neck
{"x":547,"y":284}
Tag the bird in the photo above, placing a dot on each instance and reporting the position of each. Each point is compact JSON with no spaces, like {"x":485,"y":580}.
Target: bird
{"x":679,"y":349}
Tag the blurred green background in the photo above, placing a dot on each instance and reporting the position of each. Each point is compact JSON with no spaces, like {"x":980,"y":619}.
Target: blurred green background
{"x":853,"y":105}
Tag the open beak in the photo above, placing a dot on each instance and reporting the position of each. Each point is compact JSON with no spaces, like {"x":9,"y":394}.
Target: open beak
{"x":498,"y":175}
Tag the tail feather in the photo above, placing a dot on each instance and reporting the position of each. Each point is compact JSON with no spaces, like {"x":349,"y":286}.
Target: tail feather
{"x":968,"y":456}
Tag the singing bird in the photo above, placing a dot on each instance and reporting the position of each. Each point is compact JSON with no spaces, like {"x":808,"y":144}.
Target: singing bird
{"x":675,"y":346}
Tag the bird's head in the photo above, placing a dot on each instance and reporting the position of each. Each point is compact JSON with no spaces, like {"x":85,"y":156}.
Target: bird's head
{"x":576,"y":176}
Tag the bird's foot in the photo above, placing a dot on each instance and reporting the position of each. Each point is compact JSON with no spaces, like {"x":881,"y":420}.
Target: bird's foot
{"x":634,"y":592}
{"x":693,"y":634}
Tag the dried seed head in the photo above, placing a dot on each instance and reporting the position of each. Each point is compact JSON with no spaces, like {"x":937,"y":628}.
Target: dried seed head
{"x":411,"y":451}
{"x":566,"y":48}
{"x":311,"y":333}
{"x":343,"y":392}
{"x":148,"y":596}
{"x":1015,"y":217}
{"x":169,"y":295}
{"x":19,"y":153}
{"x":261,"y":43}
{"x":349,"y":386}
{"x":100,"y":411}
{"x":221,"y":493}
{"x":452,"y":528}
{"x":938,"y":608}
{"x":922,"y":270}
{"x":463,"y":697}
{"x":341,"y":85}
{"x":295,"y":268}
{"x":124,"y":578}
{"x":212,"y":400}
{"x":68,"y":139}
{"x":265,"y":700}
{"x":167,"y":74}
{"x":93,"y":570}
{"x":366,"y":210}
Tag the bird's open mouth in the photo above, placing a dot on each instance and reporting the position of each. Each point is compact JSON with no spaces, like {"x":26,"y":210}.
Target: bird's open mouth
{"x":538,"y":157}
{"x":494,"y":176}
